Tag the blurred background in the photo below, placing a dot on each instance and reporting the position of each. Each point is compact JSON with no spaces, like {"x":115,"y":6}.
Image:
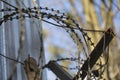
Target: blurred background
{"x":89,"y":14}
{"x":94,"y":16}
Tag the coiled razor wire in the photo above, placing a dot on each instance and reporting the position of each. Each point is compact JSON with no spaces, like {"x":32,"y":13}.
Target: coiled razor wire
{"x":61,"y":20}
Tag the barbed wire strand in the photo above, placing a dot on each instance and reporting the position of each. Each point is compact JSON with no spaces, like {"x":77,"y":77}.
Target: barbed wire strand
{"x":60,"y":26}
{"x":8,"y":4}
{"x":11,"y":59}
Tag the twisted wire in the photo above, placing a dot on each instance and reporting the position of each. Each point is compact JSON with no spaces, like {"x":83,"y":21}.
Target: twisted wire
{"x":60,"y":19}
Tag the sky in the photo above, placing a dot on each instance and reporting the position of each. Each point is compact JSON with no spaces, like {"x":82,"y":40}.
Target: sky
{"x":57,"y":35}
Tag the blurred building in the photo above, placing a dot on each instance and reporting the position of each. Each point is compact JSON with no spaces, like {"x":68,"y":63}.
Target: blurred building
{"x":9,"y":42}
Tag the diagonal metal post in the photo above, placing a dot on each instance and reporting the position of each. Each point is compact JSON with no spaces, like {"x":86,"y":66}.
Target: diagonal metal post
{"x":59,"y":71}
{"x":96,"y":53}
{"x":89,"y":63}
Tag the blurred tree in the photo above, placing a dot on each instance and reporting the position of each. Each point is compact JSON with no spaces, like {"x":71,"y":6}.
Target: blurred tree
{"x":100,"y":15}
{"x":96,"y":15}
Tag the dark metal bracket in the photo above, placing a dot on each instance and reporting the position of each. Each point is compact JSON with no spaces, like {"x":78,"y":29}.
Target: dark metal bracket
{"x":94,"y":56}
{"x":59,"y":71}
{"x":96,"y":53}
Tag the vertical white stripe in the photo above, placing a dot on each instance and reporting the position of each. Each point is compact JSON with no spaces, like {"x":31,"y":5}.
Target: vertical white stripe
{"x":3,"y":49}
